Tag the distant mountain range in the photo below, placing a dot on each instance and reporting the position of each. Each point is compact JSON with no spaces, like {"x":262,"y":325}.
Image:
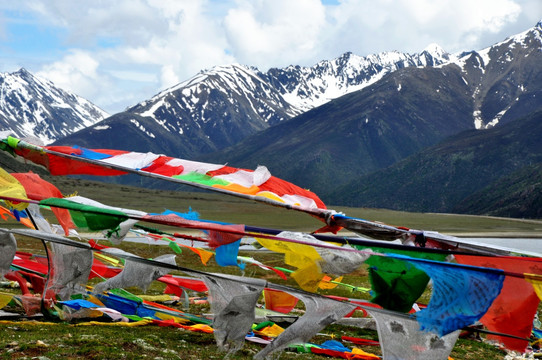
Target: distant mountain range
{"x":341,"y":125}
{"x":31,"y":106}
{"x":222,"y":106}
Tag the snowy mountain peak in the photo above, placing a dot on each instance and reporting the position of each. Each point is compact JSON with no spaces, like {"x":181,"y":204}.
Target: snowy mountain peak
{"x":494,"y":76}
{"x":436,"y":51}
{"x":232,"y":93}
{"x":523,"y":37}
{"x":31,"y":106}
{"x":522,"y":40}
{"x":22,"y":72}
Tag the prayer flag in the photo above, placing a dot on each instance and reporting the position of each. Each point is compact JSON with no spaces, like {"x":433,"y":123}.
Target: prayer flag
{"x":514,"y":309}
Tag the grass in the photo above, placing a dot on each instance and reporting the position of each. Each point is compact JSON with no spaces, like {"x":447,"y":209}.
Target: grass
{"x":235,"y":210}
{"x":29,"y":339}
{"x":33,"y":340}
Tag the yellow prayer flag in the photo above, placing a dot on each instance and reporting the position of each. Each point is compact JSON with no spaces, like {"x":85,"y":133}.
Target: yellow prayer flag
{"x":304,"y":257}
{"x":297,"y":255}
{"x":358,"y":351}
{"x":176,"y":319}
{"x":270,"y":331}
{"x":107,"y":259}
{"x":155,"y":298}
{"x":308,"y":277}
{"x":5,"y":299}
{"x":536,"y":281}
{"x":119,"y":323}
{"x":11,"y":187}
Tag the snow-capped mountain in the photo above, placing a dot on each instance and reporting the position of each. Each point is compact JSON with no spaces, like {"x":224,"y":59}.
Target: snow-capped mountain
{"x":283,"y":93}
{"x":223,"y":105}
{"x":308,"y":87}
{"x":504,"y":78}
{"x":30,"y":106}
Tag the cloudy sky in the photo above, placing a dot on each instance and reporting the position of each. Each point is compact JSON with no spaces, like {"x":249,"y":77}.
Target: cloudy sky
{"x":117,"y":53}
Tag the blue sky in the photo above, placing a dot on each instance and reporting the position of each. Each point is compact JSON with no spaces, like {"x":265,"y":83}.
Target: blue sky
{"x":117,"y":53}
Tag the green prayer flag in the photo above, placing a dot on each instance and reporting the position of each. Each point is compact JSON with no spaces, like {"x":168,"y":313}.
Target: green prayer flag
{"x":175,"y":247}
{"x":201,"y":179}
{"x":397,"y":284}
{"x":87,"y":216}
{"x":126,"y":294}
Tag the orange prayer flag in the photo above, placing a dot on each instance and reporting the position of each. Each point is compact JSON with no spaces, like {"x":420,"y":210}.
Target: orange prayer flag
{"x":327,"y":283}
{"x":279,"y":301}
{"x":38,"y":189}
{"x":203,"y":254}
{"x":5,"y":213}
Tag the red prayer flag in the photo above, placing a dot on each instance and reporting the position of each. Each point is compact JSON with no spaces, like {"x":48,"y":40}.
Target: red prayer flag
{"x":38,"y":189}
{"x":513,"y":311}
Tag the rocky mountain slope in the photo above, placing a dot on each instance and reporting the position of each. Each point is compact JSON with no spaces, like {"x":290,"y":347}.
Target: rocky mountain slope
{"x":30,"y":106}
{"x":360,"y":132}
{"x":495,"y":172}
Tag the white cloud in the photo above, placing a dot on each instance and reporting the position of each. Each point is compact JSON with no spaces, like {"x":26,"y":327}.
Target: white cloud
{"x":79,"y":72}
{"x":410,"y":25}
{"x":129,"y":50}
{"x":168,"y":76}
{"x":133,"y":75}
{"x":176,"y":39}
{"x":270,"y":33}
{"x":76,"y":72}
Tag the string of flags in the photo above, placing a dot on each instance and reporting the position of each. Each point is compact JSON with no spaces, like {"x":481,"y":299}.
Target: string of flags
{"x":470,"y":285}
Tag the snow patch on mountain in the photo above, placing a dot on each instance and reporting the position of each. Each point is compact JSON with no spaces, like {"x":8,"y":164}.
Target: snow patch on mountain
{"x":496,"y":59}
{"x":142,"y":128}
{"x":330,"y":79}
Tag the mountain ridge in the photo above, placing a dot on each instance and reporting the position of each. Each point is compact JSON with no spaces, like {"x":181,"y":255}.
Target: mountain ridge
{"x":404,"y":112}
{"x":227,"y":103}
{"x":31,"y":106}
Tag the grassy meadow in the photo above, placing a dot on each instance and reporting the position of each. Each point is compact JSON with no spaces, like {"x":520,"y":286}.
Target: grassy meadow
{"x":30,"y":339}
{"x":235,"y":210}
